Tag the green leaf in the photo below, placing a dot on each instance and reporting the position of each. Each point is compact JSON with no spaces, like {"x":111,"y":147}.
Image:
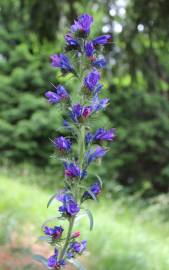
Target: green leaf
{"x":77,"y":264}
{"x":51,"y":199}
{"x":90,"y":216}
{"x":44,"y":238}
{"x":89,"y":191}
{"x":40,"y":259}
{"x":80,"y":216}
{"x":99,"y":179}
{"x":52,"y":219}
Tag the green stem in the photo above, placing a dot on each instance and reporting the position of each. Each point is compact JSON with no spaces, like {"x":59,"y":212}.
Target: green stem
{"x":81,"y":145}
{"x":71,"y":223}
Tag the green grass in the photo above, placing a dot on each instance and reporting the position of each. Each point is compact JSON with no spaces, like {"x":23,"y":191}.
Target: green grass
{"x":124,"y":237}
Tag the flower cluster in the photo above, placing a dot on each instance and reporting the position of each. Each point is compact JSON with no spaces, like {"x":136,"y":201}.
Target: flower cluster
{"x":89,"y":145}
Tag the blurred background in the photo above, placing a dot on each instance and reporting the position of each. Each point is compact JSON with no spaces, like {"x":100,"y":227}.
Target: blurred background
{"x":135,"y":202}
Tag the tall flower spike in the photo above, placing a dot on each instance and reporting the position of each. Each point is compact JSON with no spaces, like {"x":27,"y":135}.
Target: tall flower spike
{"x":78,"y":127}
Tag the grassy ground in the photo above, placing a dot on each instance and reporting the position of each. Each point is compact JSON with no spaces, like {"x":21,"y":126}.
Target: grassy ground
{"x":124,"y":237}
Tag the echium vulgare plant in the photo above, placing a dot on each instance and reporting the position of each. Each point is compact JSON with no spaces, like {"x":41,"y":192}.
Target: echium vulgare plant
{"x":82,"y":146}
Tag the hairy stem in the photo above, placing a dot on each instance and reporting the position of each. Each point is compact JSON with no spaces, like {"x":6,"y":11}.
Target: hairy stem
{"x":81,"y":145}
{"x":71,"y":223}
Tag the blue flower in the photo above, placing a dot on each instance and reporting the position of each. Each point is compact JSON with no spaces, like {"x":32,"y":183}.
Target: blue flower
{"x":62,"y":144}
{"x":66,"y":124}
{"x":102,"y":40}
{"x":99,"y":63}
{"x":55,"y":232}
{"x":80,"y":113}
{"x":59,"y":95}
{"x":71,"y":41}
{"x":92,"y":154}
{"x":52,"y":97}
{"x":89,"y":49}
{"x":54,"y":263}
{"x":91,"y":80}
{"x":88,"y":138}
{"x":95,"y":189}
{"x":82,"y":24}
{"x":76,"y":248}
{"x":99,"y":104}
{"x":70,"y":206}
{"x":72,"y":170}
{"x":62,"y":61}
{"x":100,"y":135}
{"x":104,"y":135}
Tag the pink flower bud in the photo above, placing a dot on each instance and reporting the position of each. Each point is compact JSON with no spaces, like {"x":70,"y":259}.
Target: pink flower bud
{"x":76,"y":234}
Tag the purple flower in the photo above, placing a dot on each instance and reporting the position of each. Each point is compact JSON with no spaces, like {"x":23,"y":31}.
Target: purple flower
{"x":82,"y":24}
{"x":54,"y":263}
{"x":95,"y":190}
{"x":92,"y":154}
{"x":62,"y":144}
{"x":66,"y":125}
{"x":100,"y":135}
{"x":89,"y":49}
{"x":60,"y":195}
{"x":80,"y":113}
{"x":102,"y":40}
{"x":99,"y":104}
{"x":88,"y":138}
{"x":70,"y":40}
{"x":86,"y":111}
{"x":72,"y":170}
{"x":55,"y":232}
{"x":104,"y":135}
{"x":70,"y":206}
{"x":59,"y":95}
{"x":99,"y":63}
{"x":62,"y":61}
{"x":76,"y":248}
{"x":91,"y":80}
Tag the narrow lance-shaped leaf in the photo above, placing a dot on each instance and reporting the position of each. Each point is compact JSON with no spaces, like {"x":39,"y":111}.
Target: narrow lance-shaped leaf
{"x":79,"y":217}
{"x":51,"y":199}
{"x":89,"y":191}
{"x":52,"y":219}
{"x":99,"y":179}
{"x":77,"y":264}
{"x":90,"y":216}
{"x":40,"y":259}
{"x":44,"y":238}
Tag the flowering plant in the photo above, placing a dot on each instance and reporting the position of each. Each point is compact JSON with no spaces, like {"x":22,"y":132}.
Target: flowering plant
{"x":89,"y":144}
